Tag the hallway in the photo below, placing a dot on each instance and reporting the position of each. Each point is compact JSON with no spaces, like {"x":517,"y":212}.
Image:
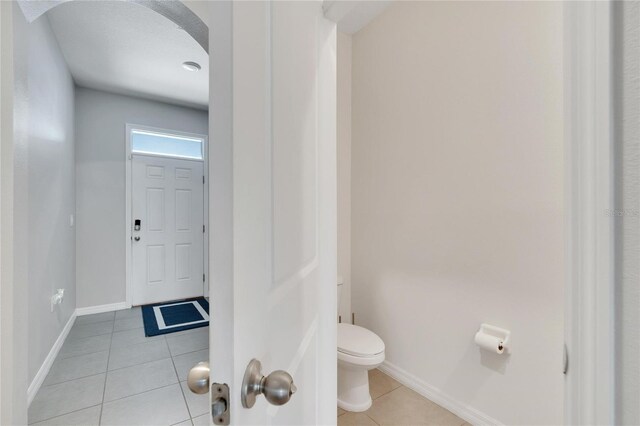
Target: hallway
{"x":109,"y":373}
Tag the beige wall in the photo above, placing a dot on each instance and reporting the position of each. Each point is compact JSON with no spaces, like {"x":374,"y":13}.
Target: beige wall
{"x":457,"y":199}
{"x":343,"y":124}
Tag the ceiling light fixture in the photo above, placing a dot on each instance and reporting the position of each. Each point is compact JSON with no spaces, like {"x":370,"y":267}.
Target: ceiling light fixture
{"x":191,"y":66}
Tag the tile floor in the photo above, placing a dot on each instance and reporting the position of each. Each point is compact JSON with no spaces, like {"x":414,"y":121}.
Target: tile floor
{"x":394,"y":404}
{"x":109,"y":373}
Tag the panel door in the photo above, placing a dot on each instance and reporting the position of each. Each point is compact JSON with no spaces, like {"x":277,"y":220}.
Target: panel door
{"x":283,"y":285}
{"x":167,"y":232}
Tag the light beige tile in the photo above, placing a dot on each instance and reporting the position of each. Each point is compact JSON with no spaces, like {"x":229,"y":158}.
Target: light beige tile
{"x":131,"y":337}
{"x":164,"y":406}
{"x":130,"y":323}
{"x":403,"y":406}
{"x":191,"y":342}
{"x":80,"y":331}
{"x":139,"y":378}
{"x":64,"y":398}
{"x":87,"y":417}
{"x":355,"y":419}
{"x":380,"y":383}
{"x":128,"y":313}
{"x":201,"y":420}
{"x":89,"y":319}
{"x":198,"y":404}
{"x":340,"y":411}
{"x":126,"y":356}
{"x":184,"y":362}
{"x":85,"y":345}
{"x":76,"y":367}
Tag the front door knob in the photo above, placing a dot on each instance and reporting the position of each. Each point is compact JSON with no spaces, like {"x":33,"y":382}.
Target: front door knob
{"x":277,"y":387}
{"x":198,"y":378}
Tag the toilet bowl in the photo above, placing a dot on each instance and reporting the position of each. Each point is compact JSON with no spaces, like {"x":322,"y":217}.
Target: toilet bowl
{"x":359,"y":350}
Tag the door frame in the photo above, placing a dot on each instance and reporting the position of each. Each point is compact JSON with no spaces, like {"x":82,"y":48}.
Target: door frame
{"x":129,"y":202}
{"x":589,"y":303}
{"x":589,"y":188}
{"x":584,"y":179}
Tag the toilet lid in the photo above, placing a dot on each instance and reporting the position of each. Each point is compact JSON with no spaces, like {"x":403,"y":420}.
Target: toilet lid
{"x":358,"y":341}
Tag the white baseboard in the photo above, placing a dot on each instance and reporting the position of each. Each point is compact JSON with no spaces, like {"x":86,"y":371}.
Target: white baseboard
{"x":102,"y":308}
{"x":461,"y":410}
{"x":35,"y":385}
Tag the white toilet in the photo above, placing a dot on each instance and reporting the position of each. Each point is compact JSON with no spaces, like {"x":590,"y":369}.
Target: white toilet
{"x":359,"y":350}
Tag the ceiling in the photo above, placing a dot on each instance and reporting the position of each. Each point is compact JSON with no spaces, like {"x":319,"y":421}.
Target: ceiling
{"x":126,"y":48}
{"x":353,"y":15}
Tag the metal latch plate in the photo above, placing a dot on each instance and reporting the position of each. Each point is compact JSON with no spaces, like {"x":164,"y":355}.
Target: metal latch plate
{"x":220,"y":404}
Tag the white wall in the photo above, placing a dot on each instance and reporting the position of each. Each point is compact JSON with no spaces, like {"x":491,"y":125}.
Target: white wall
{"x":100,"y":186}
{"x":457,"y":199}
{"x":343,"y":141}
{"x":627,"y":113}
{"x":44,"y":184}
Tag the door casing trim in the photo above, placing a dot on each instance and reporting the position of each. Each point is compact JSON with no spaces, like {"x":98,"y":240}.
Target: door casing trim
{"x":128,"y":204}
{"x":589,"y":232}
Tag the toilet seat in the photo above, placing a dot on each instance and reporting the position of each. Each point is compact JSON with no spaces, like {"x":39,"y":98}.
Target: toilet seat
{"x":358,"y":342}
{"x":359,"y":350}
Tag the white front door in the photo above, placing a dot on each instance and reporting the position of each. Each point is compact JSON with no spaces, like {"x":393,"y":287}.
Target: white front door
{"x":168,"y":234}
{"x":278,"y":303}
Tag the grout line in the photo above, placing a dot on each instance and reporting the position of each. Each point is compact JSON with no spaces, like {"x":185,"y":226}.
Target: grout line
{"x":78,"y":378}
{"x":171,"y":357}
{"x":106,"y":371}
{"x":92,"y":323}
{"x":143,"y":392}
{"x":62,"y":415}
{"x":72,"y":380}
{"x":372,"y":419}
{"x":138,"y":365}
{"x":184,"y":397}
{"x":388,"y":392}
{"x":72,"y":339}
{"x":190,"y":352}
{"x":75,"y":356}
{"x":127,"y":329}
{"x":119,"y":368}
{"x":79,"y":355}
{"x":104,"y":387}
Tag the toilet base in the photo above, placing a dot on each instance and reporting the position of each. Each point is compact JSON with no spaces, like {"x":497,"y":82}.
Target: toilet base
{"x":353,"y":388}
{"x":354,"y":408}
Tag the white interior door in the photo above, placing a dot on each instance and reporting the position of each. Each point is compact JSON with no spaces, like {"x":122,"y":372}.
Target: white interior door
{"x":278,"y":304}
{"x":167,"y":249}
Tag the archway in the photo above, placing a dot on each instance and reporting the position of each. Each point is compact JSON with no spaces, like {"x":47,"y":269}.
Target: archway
{"x":175,"y":11}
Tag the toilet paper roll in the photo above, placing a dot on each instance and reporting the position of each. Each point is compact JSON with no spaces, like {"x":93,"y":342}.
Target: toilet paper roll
{"x":489,"y":343}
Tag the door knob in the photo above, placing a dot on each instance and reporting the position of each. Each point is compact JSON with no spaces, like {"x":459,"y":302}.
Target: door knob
{"x":136,"y":238}
{"x":198,"y":378}
{"x":277,"y":387}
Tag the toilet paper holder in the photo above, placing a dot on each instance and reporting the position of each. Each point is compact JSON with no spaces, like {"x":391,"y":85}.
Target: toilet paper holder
{"x":493,"y":338}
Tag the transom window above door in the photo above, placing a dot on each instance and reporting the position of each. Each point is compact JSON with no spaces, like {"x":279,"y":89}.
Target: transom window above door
{"x":166,"y":144}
